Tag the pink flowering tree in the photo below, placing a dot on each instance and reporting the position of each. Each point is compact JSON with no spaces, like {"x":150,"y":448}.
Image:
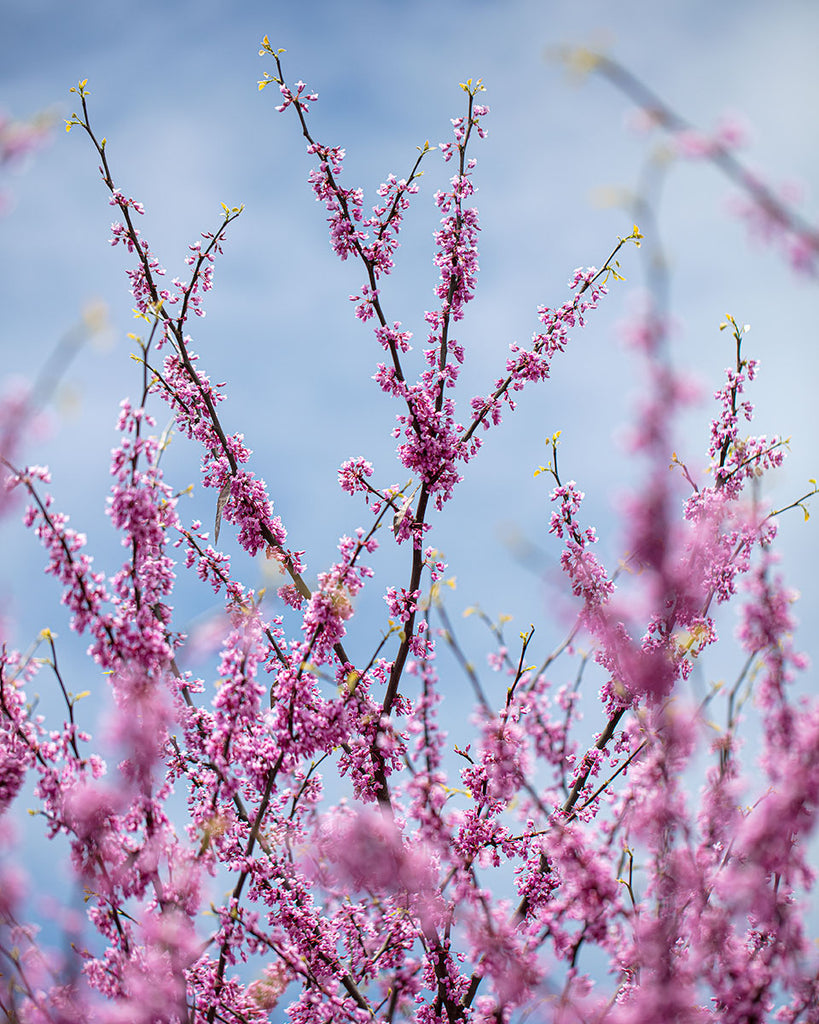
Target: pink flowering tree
{"x":308,"y":841}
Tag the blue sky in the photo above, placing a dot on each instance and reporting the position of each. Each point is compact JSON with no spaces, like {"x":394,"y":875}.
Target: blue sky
{"x":173,"y":88}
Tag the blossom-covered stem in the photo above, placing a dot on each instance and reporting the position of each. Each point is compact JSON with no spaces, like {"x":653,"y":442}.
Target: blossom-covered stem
{"x":88,"y":593}
{"x":156,"y":304}
{"x":299,"y":969}
{"x":623,"y":766}
{"x":374,"y":268}
{"x":414,"y":584}
{"x":240,"y":882}
{"x":123,"y":204}
{"x":54,"y":778}
{"x":397,"y":669}
{"x":214,"y":568}
{"x":264,"y":529}
{"x":458,"y":275}
{"x":551,"y":340}
{"x":735,"y":386}
{"x":589,"y":761}
{"x":174,"y":327}
{"x":455,"y":273}
{"x":256,"y":835}
{"x":717,"y":153}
